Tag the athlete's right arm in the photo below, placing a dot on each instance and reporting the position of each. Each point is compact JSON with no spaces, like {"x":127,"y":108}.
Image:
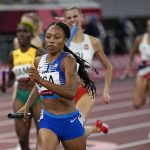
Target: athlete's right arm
{"x":134,"y":49}
{"x":11,"y":76}
{"x":34,"y":95}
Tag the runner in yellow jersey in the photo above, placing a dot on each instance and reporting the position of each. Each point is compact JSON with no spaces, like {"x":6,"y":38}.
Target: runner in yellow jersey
{"x":20,"y":60}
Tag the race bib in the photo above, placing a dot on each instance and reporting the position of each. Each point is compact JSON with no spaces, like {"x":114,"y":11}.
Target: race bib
{"x":51,"y":77}
{"x":21,"y":71}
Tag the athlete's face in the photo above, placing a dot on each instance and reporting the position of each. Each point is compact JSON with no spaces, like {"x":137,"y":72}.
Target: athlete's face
{"x":148,"y":26}
{"x":24,"y":35}
{"x":73,"y":16}
{"x":55,"y":39}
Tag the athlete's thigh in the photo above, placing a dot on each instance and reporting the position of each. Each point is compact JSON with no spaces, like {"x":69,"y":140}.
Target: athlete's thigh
{"x":140,"y":90}
{"x":17,"y":104}
{"x":22,"y":126}
{"x":75,"y":144}
{"x":85,"y":105}
{"x":36,"y":111}
{"x":46,"y":140}
{"x":14,"y":91}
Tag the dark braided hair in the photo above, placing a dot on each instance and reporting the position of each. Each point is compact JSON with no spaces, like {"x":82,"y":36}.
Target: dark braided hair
{"x":84,"y":66}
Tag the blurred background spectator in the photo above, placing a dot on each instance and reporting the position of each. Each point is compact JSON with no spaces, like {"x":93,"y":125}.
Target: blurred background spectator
{"x":113,"y":21}
{"x":95,"y":28}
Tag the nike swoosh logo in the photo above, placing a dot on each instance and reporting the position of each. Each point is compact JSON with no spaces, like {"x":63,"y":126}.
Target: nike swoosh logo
{"x":73,"y":120}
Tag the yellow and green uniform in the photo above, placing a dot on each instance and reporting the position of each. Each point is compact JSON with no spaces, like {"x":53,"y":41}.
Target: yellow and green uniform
{"x":21,"y":62}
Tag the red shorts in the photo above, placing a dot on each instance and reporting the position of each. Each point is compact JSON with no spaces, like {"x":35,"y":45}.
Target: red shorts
{"x":147,"y":76}
{"x":80,"y":92}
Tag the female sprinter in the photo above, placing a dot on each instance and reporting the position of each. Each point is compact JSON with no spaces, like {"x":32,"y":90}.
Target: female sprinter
{"x":142,"y":86}
{"x":20,"y":60}
{"x":86,"y":47}
{"x":55,"y":75}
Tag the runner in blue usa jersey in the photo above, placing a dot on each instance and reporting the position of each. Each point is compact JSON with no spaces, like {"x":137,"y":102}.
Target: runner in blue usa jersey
{"x":55,"y":75}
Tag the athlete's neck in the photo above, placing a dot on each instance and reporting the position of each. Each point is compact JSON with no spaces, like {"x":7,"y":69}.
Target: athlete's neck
{"x":52,"y":57}
{"x":79,"y":37}
{"x":24,"y":48}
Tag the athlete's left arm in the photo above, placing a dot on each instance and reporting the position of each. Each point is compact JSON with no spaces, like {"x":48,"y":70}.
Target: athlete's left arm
{"x":99,"y":52}
{"x":70,"y":70}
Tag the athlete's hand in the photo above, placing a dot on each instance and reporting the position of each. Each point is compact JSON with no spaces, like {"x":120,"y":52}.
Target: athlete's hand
{"x":106,"y":96}
{"x":125,"y":75}
{"x":24,"y":110}
{"x":34,"y":75}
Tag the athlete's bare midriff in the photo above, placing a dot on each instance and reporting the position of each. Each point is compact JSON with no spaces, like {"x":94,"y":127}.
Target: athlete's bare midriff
{"x":58,"y":106}
{"x":25,"y":85}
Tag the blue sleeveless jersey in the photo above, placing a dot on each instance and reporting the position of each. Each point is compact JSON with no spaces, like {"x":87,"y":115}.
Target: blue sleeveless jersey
{"x":51,"y":72}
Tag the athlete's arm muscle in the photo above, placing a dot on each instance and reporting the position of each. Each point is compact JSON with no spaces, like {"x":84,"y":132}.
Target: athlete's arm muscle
{"x":99,"y":52}
{"x":68,"y":90}
{"x":134,"y":49}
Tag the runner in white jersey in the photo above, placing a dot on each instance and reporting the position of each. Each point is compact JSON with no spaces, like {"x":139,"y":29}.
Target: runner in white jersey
{"x":83,"y":49}
{"x":141,"y":45}
{"x":86,"y":47}
{"x":142,"y":85}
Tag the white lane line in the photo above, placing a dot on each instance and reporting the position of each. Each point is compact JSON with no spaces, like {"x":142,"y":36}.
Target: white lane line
{"x":130,"y":127}
{"x":118,"y":96}
{"x":112,"y":131}
{"x":132,"y":144}
{"x":116,"y":130}
{"x":103,"y":118}
{"x":112,"y":106}
{"x":6,"y":122}
{"x":32,"y":146}
{"x":5,"y":112}
{"x":13,"y":134}
{"x":115,"y":96}
{"x":95,"y":109}
{"x":5,"y":104}
{"x":117,"y":90}
{"x":120,"y":115}
{"x":125,"y":128}
{"x":15,"y":140}
{"x":120,"y":147}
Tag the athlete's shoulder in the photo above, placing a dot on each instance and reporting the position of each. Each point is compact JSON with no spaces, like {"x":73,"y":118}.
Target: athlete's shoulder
{"x":37,"y":60}
{"x":94,"y":40}
{"x":14,"y":51}
{"x":68,"y":57}
{"x":139,"y":38}
{"x":69,"y":61}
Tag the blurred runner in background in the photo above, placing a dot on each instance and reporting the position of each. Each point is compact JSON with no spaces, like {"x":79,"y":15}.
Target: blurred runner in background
{"x":86,"y":47}
{"x":20,"y":60}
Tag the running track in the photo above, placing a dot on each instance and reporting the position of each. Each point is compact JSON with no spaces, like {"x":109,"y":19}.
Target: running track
{"x":128,"y":127}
